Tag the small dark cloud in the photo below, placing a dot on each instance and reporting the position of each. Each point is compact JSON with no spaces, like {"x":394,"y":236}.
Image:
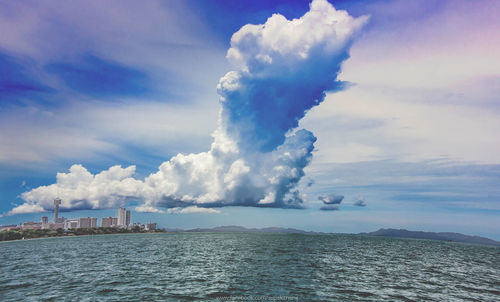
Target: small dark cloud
{"x":360,"y":202}
{"x":331,"y":199}
{"x":310,"y":182}
{"x":330,"y":207}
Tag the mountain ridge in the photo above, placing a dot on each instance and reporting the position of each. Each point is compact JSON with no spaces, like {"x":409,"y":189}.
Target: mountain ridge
{"x":441,"y":236}
{"x":383,"y":232}
{"x":240,"y":229}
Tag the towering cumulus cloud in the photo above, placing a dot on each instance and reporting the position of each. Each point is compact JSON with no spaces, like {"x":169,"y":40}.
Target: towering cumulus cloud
{"x":282,"y":69}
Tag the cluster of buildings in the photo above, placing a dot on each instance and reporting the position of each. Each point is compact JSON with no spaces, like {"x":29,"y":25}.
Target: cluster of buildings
{"x":122,"y":221}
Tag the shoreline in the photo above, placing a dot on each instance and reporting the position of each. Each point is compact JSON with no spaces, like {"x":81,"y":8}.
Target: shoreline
{"x":211,"y":231}
{"x":74,"y":236}
{"x":70,"y":235}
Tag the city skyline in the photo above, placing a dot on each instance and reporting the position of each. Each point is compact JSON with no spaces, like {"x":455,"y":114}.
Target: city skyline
{"x":191,"y":118}
{"x":123,"y":220}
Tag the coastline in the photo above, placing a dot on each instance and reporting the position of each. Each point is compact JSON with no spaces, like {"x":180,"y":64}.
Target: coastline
{"x":47,"y":234}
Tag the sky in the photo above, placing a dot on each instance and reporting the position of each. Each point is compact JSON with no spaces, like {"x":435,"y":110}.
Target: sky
{"x":340,"y":116}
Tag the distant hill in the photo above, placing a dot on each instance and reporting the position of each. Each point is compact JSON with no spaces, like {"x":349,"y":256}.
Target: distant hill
{"x":444,"y":236}
{"x":240,"y":229}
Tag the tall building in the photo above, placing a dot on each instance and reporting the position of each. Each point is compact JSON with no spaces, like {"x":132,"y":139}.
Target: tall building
{"x":88,"y":222}
{"x":127,"y":218}
{"x":57,"y":202}
{"x":45,"y":219}
{"x":122,"y":216}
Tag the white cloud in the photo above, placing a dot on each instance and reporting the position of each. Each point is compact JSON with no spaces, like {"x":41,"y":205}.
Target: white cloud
{"x":79,"y":189}
{"x":27,"y":208}
{"x":86,"y":130}
{"x":258,"y":155}
{"x":193,"y":210}
{"x":147,"y":209}
{"x":430,"y":93}
{"x":281,"y":42}
{"x":331,"y":198}
{"x":125,"y":33}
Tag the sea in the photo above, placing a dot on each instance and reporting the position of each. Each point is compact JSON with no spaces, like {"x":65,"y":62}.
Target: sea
{"x":246,"y":267}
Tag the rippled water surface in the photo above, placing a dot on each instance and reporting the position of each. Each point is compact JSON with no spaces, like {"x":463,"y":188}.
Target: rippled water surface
{"x":215,"y":266}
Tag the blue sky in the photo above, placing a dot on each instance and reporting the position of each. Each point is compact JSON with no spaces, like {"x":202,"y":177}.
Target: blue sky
{"x":412,"y":131}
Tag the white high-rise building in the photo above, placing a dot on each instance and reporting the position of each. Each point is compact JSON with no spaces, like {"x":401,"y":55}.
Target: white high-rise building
{"x":122,"y":216}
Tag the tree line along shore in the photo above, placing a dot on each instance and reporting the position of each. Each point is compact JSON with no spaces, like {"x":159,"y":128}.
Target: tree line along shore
{"x":19,"y":234}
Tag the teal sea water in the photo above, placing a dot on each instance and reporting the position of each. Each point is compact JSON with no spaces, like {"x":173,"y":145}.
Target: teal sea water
{"x":246,"y":266}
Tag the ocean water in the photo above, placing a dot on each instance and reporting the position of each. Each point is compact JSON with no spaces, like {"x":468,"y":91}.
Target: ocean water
{"x":246,"y":267}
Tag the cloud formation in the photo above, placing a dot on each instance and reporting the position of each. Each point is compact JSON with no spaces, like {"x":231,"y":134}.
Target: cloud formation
{"x":283,"y":69}
{"x":192,"y":210}
{"x":331,"y":199}
{"x":80,"y":189}
{"x":360,"y":202}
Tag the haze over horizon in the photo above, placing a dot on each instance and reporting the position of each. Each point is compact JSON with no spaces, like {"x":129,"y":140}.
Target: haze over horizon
{"x":339,"y":116}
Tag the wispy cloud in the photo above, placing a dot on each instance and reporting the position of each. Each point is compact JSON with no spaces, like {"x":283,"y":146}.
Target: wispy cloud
{"x":17,"y":81}
{"x":330,"y":207}
{"x":102,"y":78}
{"x":430,"y":185}
{"x":193,"y":210}
{"x":438,"y":86}
{"x":62,"y":63}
